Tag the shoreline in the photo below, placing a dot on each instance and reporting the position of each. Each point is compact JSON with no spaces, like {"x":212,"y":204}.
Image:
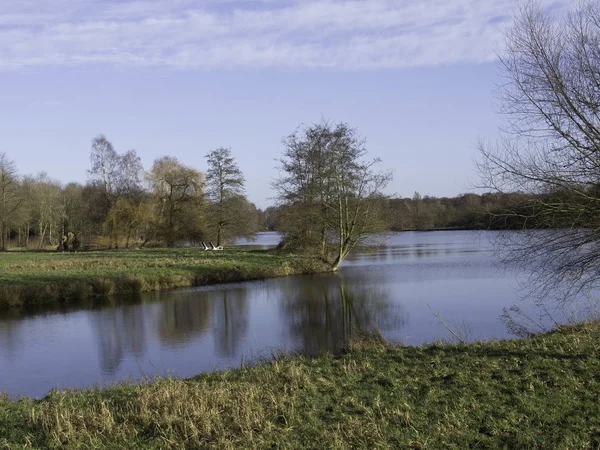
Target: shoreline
{"x":538,"y":392}
{"x":37,"y":278}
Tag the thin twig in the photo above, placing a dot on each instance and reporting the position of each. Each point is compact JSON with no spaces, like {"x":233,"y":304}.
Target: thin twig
{"x":448,"y":327}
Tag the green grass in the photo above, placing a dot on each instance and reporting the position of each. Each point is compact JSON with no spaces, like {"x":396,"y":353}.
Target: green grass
{"x":535,"y":393}
{"x":28,"y":278}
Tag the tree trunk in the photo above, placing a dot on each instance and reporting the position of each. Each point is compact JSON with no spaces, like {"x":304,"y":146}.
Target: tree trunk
{"x":3,"y":227}
{"x":324,"y":242}
{"x":128,"y":236}
{"x":3,"y":238}
{"x":41,"y":234}
{"x":219,"y":235}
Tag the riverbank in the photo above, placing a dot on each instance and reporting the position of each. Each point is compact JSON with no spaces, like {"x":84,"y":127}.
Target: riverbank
{"x":534,"y":393}
{"x":30,"y":278}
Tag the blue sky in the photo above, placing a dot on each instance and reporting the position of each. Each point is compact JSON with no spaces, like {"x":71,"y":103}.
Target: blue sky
{"x":183,"y":77}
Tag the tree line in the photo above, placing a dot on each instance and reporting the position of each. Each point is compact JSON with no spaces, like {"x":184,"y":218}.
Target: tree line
{"x":123,"y":205}
{"x":468,"y":211}
{"x":329,"y":195}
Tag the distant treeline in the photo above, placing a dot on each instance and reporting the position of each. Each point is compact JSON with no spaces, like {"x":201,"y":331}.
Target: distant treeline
{"x":465,"y":211}
{"x":123,"y":205}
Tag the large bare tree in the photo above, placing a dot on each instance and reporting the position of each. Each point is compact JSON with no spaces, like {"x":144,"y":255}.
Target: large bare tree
{"x":119,"y":177}
{"x":550,"y":144}
{"x":330,"y":191}
{"x":105,"y":166}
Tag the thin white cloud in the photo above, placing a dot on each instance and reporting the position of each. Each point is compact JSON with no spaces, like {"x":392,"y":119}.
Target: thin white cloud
{"x":204,"y":34}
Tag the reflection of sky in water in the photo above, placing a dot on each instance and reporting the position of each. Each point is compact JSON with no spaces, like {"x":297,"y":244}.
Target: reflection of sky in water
{"x":264,"y":240}
{"x":188,"y":331}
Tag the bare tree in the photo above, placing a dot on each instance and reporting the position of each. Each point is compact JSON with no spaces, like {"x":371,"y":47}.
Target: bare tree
{"x":47,"y":208}
{"x":129,"y":173}
{"x":331,"y":192}
{"x":119,"y":176}
{"x":74,"y":218}
{"x":105,"y":164}
{"x":229,"y":214}
{"x":550,"y":147}
{"x":9,"y":198}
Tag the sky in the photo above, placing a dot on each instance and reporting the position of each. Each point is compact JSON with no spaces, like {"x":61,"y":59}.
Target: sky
{"x":418,"y":79}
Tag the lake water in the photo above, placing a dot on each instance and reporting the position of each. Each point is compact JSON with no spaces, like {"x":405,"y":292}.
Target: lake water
{"x":186,"y":332}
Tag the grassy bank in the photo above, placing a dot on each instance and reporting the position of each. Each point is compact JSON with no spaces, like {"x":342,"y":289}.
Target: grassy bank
{"x":535,"y":393}
{"x":28,"y":278}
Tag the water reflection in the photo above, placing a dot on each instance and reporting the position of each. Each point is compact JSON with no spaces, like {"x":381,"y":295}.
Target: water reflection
{"x":10,"y":334}
{"x":176,"y":320}
{"x":230,"y":319}
{"x":396,"y":250}
{"x":326,"y":311}
{"x":119,"y":332}
{"x":183,"y":318}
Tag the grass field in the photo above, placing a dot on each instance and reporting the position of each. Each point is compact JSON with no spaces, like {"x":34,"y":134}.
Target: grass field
{"x":45,"y":277}
{"x":537,"y":393}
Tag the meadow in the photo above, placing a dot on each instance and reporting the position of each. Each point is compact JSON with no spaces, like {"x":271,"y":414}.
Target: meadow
{"x":30,"y":278}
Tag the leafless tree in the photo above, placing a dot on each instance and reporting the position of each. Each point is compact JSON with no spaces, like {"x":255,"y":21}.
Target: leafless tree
{"x":9,"y":196}
{"x":331,"y":192}
{"x":550,"y":146}
{"x":47,"y":208}
{"x":119,"y":176}
{"x":229,"y":212}
{"x":105,"y":165}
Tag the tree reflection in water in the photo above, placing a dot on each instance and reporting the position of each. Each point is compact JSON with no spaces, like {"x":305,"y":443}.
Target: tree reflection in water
{"x":325,"y":312}
{"x":320,"y":312}
{"x":230,"y":319}
{"x":119,"y":331}
{"x":183,"y":318}
{"x":11,"y":339}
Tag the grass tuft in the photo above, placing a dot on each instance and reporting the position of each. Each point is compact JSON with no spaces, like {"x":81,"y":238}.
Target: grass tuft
{"x":103,"y":287}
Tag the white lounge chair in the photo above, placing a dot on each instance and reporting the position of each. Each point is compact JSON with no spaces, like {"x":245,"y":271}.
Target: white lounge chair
{"x":212,"y":247}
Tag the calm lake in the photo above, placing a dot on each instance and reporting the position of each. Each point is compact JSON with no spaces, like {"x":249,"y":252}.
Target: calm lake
{"x":186,"y":332}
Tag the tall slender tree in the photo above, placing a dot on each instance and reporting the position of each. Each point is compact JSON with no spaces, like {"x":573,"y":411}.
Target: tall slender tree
{"x":230,"y":214}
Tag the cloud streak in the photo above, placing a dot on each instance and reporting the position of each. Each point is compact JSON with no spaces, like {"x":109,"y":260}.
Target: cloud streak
{"x":207,"y":34}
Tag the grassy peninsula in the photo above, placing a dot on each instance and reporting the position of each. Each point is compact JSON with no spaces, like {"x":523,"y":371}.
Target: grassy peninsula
{"x":540,"y":392}
{"x":28,"y":278}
